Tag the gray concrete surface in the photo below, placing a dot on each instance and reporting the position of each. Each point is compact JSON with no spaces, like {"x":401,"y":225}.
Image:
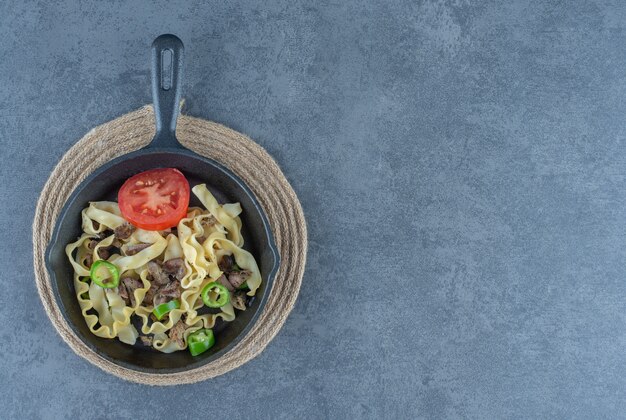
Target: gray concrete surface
{"x":461,"y":165}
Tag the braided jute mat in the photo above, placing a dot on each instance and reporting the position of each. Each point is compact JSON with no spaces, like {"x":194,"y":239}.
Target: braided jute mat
{"x":241,"y":155}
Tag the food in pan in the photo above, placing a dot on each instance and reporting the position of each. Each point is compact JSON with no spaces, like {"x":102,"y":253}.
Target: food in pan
{"x":150,"y":270}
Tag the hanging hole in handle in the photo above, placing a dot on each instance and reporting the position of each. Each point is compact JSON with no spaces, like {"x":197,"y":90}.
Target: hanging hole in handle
{"x":167,"y":69}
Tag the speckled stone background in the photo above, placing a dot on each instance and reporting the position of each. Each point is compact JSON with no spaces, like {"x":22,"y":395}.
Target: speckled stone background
{"x":461,"y":165}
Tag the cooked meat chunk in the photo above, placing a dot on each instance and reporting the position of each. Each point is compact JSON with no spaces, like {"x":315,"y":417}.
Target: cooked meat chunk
{"x":157,"y":274}
{"x":175,"y":267}
{"x":124,"y":231}
{"x":238,"y":299}
{"x":177,"y":333}
{"x":172,"y":289}
{"x":168,"y":292}
{"x":237,"y":278}
{"x":105,"y":234}
{"x":159,"y":299}
{"x":146,"y":340}
{"x":126,"y":289}
{"x":226,"y":263}
{"x":201,"y":239}
{"x":166,"y":232}
{"x":224,"y":282}
{"x":95,"y":224}
{"x":135,"y":248}
{"x":123,"y":292}
{"x":88,"y":260}
{"x":104,"y":253}
{"x":149,"y":298}
{"x":132,"y":284}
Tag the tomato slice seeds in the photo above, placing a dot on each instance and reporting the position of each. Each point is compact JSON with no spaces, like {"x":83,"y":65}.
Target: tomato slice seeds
{"x":156,"y":199}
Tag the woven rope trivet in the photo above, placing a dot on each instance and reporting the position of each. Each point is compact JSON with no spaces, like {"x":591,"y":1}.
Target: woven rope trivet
{"x":234,"y":150}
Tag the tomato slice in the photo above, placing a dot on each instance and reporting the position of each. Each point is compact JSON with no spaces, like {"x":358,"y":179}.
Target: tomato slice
{"x":156,"y":199}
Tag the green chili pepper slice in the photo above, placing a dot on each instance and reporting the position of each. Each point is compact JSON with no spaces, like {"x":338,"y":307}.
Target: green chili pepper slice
{"x":200,"y":341}
{"x":223,"y":297}
{"x":165,"y":308}
{"x":105,"y":274}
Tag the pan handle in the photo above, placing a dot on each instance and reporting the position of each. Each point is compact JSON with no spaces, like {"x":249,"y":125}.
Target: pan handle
{"x":167,"y":74}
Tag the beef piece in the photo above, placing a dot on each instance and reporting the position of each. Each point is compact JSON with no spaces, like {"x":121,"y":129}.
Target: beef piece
{"x":105,"y":234}
{"x":135,"y":248}
{"x":126,"y":289}
{"x":123,"y":292}
{"x":149,"y":298}
{"x":159,"y":299}
{"x":95,"y":225}
{"x":166,"y":232}
{"x":238,"y":300}
{"x":171,"y":289}
{"x":158,"y":275}
{"x":132,"y":284}
{"x":201,"y":239}
{"x":124,"y":231}
{"x":226,"y":263}
{"x":237,"y":278}
{"x":146,"y":340}
{"x":88,"y":260}
{"x":168,"y":292}
{"x":104,"y":253}
{"x":175,"y":267}
{"x":177,"y":333}
{"x":224,"y":282}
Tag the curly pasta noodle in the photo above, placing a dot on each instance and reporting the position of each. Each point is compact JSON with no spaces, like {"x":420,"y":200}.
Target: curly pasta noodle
{"x":202,"y":239}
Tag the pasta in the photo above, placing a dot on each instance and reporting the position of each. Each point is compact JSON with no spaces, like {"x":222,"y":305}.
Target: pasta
{"x":156,"y":268}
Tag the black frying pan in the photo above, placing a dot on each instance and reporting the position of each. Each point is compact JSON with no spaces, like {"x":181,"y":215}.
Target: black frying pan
{"x":103,"y":184}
